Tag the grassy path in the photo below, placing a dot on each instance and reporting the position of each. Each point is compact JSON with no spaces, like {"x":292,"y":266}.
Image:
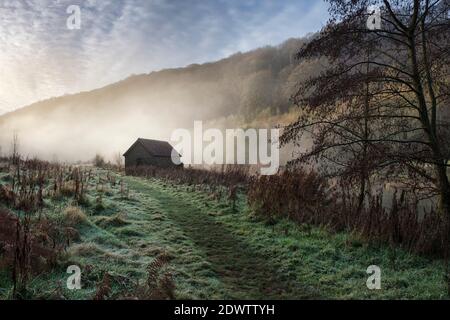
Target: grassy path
{"x":217,"y":254}
{"x":245,"y":273}
{"x":247,"y":258}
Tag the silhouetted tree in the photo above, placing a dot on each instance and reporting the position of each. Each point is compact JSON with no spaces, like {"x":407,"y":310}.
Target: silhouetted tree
{"x":15,"y":157}
{"x":382,"y":106}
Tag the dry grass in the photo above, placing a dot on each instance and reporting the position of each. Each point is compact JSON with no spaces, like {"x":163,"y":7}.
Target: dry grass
{"x":116,"y":220}
{"x":86,"y":249}
{"x":74,"y":216}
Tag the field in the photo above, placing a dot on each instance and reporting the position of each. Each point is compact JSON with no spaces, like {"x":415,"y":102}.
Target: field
{"x":148,"y":238}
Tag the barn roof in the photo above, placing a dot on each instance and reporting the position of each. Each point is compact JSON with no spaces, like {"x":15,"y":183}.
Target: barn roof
{"x":154,"y":147}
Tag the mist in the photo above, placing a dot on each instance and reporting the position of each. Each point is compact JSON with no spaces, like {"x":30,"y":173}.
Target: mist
{"x":245,"y":90}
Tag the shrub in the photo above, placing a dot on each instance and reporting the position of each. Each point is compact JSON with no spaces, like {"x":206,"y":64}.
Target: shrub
{"x":305,"y":197}
{"x":28,"y":247}
{"x":99,"y":161}
{"x":227,"y":176}
{"x":103,"y":288}
{"x":159,"y":284}
{"x":292,"y":194}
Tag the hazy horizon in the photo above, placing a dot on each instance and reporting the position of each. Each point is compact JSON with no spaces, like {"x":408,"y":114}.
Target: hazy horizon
{"x":42,"y":58}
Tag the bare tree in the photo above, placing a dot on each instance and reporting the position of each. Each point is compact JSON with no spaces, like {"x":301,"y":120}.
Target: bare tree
{"x":381,"y":110}
{"x":15,"y":148}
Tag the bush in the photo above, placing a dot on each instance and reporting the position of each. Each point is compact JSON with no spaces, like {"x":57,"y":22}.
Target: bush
{"x":29,"y":246}
{"x":99,"y":161}
{"x":291,"y":194}
{"x":307,"y":198}
{"x":229,"y":176}
{"x":159,"y":284}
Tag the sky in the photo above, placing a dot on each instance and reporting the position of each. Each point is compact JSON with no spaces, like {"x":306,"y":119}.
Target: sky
{"x":44,"y":54}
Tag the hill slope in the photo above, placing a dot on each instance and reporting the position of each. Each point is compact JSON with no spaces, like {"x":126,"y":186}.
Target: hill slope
{"x":107,"y":120}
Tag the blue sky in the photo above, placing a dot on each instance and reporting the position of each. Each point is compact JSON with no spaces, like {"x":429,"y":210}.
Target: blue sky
{"x":40,"y":57}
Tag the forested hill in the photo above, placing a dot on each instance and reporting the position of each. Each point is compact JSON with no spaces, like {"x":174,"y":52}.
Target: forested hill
{"x":106,"y":120}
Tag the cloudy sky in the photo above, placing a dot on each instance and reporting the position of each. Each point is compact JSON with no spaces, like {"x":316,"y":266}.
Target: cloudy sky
{"x":40,"y":57}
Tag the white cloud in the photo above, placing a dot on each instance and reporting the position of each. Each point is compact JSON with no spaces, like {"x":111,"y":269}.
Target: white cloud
{"x":41,"y":58}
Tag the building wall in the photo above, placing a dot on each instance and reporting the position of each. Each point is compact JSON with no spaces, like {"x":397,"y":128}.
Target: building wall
{"x":138,"y":152}
{"x":138,"y":156}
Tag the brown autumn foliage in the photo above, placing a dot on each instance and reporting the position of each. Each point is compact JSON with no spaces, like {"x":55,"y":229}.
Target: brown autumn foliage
{"x":30,"y":246}
{"x":159,"y":284}
{"x":31,"y":243}
{"x":227,"y":176}
{"x":29,"y":182}
{"x":306,"y":198}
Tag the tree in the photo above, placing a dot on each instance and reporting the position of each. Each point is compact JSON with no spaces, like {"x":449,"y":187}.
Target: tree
{"x":99,"y":161}
{"x":15,"y":148}
{"x":382,"y":105}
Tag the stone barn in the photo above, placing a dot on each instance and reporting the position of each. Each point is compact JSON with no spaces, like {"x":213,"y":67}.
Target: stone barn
{"x":147,"y":152}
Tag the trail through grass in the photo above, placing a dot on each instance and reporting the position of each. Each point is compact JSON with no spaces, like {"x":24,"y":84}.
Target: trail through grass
{"x":215,"y":253}
{"x":245,"y":257}
{"x":244,"y":272}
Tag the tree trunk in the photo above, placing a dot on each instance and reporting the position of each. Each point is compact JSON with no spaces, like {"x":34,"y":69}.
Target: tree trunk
{"x":364,"y":176}
{"x":444,"y":187}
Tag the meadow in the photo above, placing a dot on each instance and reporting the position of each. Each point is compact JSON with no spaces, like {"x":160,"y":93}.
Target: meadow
{"x":171,"y":235}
